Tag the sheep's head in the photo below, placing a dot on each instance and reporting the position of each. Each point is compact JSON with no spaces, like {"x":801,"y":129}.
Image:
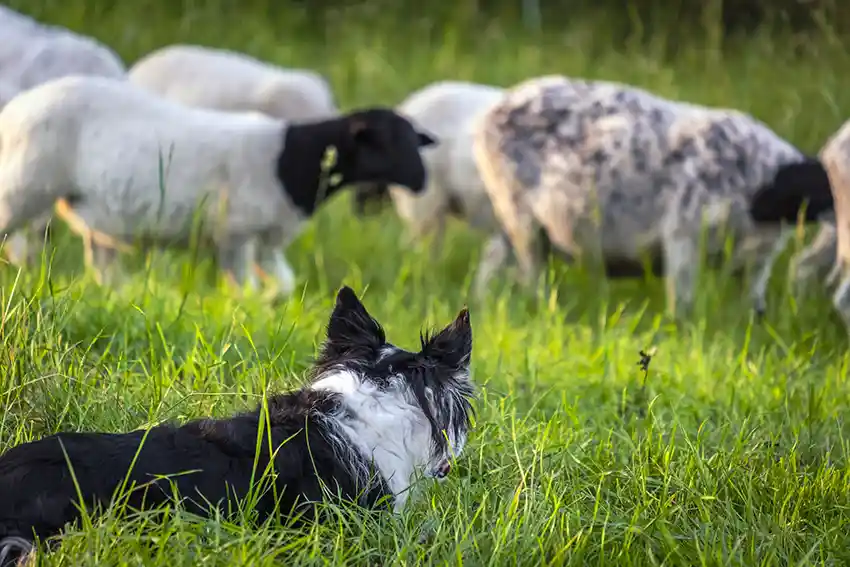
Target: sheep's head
{"x":382,"y":148}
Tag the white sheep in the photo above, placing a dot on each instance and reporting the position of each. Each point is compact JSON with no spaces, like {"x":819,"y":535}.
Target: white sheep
{"x":607,"y":171}
{"x":447,"y":109}
{"x":7,"y":92}
{"x":225,"y":80}
{"x":121,"y":164}
{"x":834,"y":236}
{"x":32,"y":53}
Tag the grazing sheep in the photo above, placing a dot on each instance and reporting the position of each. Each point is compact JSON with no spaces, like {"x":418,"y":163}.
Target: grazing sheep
{"x":219,"y":79}
{"x":33,"y":53}
{"x":834,"y":237}
{"x":447,"y":109}
{"x":554,"y":149}
{"x":122,"y":163}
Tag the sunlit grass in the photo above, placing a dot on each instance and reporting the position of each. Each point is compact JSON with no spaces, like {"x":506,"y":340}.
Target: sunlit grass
{"x":733,"y":452}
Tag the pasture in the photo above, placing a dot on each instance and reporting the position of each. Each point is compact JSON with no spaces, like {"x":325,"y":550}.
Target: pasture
{"x":731,"y":450}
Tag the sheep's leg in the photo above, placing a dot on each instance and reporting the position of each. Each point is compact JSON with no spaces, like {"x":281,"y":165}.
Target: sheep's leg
{"x":765,"y":253}
{"x":524,"y":235}
{"x":104,"y":261}
{"x":18,"y":248}
{"x":100,"y":250}
{"x":272,"y":264}
{"x":236,"y":259}
{"x":834,"y":275}
{"x":816,"y":259}
{"x":841,"y":301}
{"x":439,"y":237}
{"x":22,"y":246}
{"x":495,"y":255}
{"x":681,"y":248}
{"x":21,"y":241}
{"x":271,"y":261}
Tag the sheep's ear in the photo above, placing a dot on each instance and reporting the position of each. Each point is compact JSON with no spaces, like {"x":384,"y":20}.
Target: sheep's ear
{"x":426,"y":140}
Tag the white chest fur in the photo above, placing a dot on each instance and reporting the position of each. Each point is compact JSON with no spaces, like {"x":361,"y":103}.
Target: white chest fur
{"x":384,"y":426}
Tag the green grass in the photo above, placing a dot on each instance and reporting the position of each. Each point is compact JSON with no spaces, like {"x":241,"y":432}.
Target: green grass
{"x":734,"y":452}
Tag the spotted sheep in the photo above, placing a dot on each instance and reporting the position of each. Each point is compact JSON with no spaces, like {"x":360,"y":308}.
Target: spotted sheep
{"x":453,"y":189}
{"x":603,"y":172}
{"x":122,"y":164}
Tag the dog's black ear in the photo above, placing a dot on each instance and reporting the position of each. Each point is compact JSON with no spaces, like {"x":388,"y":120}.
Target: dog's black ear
{"x":351,"y":326}
{"x":451,"y":347}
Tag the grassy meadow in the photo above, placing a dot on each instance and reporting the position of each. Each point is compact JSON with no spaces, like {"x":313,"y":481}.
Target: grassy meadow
{"x":732,"y":451}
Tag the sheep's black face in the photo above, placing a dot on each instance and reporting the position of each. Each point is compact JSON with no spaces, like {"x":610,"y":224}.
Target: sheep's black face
{"x":794,"y":185}
{"x":384,"y":148}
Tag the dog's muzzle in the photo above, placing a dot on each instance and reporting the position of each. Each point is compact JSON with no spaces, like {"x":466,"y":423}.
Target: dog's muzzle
{"x":443,"y":470}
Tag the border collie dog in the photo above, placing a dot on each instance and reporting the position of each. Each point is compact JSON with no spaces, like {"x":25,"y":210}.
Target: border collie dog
{"x":372,"y":418}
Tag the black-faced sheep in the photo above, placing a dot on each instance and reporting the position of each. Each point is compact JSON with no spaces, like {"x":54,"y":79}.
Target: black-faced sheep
{"x":607,"y":171}
{"x":122,"y":163}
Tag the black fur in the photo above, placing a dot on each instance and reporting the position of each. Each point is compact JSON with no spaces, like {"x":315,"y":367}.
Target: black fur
{"x":373,"y":145}
{"x":38,"y":495}
{"x":212,"y":460}
{"x":357,"y":340}
{"x":794,"y":185}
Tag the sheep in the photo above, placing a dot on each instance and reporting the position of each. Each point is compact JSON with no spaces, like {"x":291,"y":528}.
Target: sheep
{"x":554,"y":148}
{"x":121,"y":163}
{"x":834,"y":237}
{"x":219,"y":79}
{"x":446,"y":109}
{"x":33,"y":53}
{"x":7,"y":92}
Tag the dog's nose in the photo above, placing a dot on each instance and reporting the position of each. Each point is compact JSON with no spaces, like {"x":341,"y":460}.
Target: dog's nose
{"x":444,"y":469}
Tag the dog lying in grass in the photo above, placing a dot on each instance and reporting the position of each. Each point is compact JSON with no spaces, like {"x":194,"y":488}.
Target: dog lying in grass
{"x":372,"y":418}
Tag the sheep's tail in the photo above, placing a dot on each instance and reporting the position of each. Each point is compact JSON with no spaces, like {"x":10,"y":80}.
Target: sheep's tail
{"x":795,"y":185}
{"x":13,"y":549}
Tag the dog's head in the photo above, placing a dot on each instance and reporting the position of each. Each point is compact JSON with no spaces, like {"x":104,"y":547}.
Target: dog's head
{"x":433,"y":383}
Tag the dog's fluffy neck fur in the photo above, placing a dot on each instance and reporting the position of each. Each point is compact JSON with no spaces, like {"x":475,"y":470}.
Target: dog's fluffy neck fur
{"x":403,"y":412}
{"x":383,"y":427}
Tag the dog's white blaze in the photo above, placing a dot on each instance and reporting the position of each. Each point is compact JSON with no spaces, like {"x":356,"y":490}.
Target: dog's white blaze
{"x":384,"y":426}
